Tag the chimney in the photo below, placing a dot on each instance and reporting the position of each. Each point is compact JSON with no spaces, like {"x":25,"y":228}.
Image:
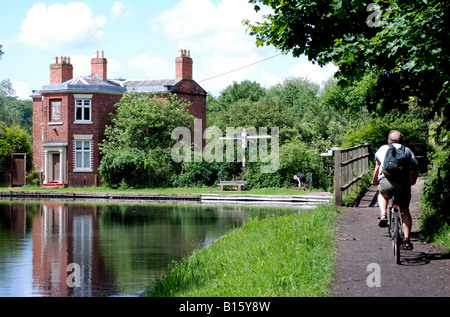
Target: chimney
{"x":98,"y":65}
{"x":183,"y":65}
{"x":60,"y":70}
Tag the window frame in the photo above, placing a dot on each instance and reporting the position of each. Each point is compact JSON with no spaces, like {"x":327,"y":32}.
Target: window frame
{"x":83,"y":152}
{"x":86,"y":103}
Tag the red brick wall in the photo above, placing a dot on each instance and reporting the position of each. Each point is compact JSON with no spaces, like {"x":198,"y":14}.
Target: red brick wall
{"x":99,"y":67}
{"x":190,"y":91}
{"x":183,"y":68}
{"x":60,"y":73}
{"x":37,"y":133}
{"x":102,"y":107}
{"x":45,"y":132}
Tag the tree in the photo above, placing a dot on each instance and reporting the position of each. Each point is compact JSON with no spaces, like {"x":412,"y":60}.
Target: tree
{"x":137,"y":146}
{"x":296,"y":95}
{"x":13,"y":140}
{"x":406,"y":49}
{"x":246,"y":90}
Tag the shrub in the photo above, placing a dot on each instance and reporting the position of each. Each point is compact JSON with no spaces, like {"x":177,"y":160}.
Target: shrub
{"x":137,"y":148}
{"x":436,"y":195}
{"x":293,"y":156}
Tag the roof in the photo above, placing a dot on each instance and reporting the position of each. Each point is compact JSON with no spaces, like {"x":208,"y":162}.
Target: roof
{"x":114,"y":86}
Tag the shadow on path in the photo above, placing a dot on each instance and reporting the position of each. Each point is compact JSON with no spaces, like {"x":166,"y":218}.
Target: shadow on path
{"x":365,"y":256}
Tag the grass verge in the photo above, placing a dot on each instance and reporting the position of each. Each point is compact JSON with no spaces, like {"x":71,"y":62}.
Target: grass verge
{"x":167,"y":191}
{"x":279,"y":256}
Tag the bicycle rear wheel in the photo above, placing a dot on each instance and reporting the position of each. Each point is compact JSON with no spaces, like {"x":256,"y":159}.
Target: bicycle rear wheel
{"x":397,"y":240}
{"x":390,"y":215}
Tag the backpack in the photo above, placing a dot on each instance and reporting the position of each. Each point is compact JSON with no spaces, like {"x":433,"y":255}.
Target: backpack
{"x":396,"y":163}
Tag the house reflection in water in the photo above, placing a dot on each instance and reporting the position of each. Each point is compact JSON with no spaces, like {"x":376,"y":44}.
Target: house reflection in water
{"x":118,"y":249}
{"x":65,"y":234}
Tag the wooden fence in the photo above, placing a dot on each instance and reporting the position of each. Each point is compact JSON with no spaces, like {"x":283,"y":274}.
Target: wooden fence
{"x":349,"y":167}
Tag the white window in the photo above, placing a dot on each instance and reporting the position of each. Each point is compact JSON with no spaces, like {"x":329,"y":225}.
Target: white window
{"x":83,"y":110}
{"x":83,"y":151}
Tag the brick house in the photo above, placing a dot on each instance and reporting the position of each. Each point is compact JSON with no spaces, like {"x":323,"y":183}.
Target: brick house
{"x":70,"y":114}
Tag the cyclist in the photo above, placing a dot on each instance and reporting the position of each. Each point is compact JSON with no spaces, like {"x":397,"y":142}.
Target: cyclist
{"x":400,"y":189}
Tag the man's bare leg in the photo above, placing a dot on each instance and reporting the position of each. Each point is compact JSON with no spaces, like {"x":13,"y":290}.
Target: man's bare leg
{"x":382,"y":203}
{"x":406,"y":224}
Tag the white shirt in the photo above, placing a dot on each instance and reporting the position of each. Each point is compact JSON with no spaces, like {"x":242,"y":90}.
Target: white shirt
{"x":381,"y":153}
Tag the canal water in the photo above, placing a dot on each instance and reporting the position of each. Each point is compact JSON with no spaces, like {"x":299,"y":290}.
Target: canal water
{"x":69,"y":249}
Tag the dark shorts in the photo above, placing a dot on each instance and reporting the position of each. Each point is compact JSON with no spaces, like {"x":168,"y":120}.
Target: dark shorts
{"x":401,"y":192}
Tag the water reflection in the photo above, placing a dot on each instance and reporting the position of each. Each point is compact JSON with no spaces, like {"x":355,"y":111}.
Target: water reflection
{"x":117,"y":249}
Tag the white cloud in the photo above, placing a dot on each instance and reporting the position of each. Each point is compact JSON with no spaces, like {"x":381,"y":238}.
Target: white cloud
{"x":209,"y":28}
{"x":217,"y":39}
{"x":61,"y":26}
{"x":121,"y":10}
{"x":22,"y":90}
{"x":153,"y":67}
{"x":313,"y":72}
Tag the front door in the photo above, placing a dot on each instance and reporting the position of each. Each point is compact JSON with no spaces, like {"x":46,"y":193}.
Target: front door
{"x":56,"y":167}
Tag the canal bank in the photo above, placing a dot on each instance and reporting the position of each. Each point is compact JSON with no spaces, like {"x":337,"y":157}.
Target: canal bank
{"x":306,"y":200}
{"x":289,"y":256}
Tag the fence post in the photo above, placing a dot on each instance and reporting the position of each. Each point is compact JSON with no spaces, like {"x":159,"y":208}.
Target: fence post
{"x":337,"y":177}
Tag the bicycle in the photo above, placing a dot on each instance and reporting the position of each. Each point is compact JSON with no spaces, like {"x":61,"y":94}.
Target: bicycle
{"x":396,"y":230}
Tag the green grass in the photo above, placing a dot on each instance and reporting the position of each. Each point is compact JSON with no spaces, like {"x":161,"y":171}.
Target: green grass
{"x":278,"y":256}
{"x":174,"y":191}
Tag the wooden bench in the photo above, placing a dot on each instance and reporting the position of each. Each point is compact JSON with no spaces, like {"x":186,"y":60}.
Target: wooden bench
{"x":239,"y":184}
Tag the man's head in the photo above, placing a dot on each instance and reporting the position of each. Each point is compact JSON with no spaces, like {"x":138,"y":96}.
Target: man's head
{"x":395,"y":137}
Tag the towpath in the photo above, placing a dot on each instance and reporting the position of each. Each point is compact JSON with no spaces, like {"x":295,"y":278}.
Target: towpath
{"x":364,"y":250}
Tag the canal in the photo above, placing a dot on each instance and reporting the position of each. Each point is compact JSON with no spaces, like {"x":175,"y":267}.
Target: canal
{"x":71,"y":249}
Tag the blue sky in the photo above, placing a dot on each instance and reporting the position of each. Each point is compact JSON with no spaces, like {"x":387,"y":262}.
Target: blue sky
{"x":140,"y":39}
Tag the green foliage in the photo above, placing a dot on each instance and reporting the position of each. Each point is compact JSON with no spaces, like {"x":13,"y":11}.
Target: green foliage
{"x":407,"y":50}
{"x":265,"y":112}
{"x":300,"y":156}
{"x":308,"y":126}
{"x":137,"y":148}
{"x":5,"y":147}
{"x":352,"y":100}
{"x":200,"y":174}
{"x":296,"y":95}
{"x":246,"y":90}
{"x":294,"y":155}
{"x":436,"y":198}
{"x":353,"y":197}
{"x":376,"y":131}
{"x":13,"y":110}
{"x":13,"y":140}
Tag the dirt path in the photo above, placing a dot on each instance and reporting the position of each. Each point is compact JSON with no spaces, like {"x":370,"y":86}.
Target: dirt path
{"x":364,"y":249}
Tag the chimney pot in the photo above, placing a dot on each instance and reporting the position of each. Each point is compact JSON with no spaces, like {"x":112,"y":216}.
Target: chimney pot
{"x":183,"y":65}
{"x":99,"y":65}
{"x":60,"y":70}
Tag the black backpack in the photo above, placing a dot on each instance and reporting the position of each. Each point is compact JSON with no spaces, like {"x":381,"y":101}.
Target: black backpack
{"x":396,"y":163}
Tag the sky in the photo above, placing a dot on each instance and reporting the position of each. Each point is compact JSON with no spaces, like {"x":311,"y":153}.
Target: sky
{"x":141,"y":39}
